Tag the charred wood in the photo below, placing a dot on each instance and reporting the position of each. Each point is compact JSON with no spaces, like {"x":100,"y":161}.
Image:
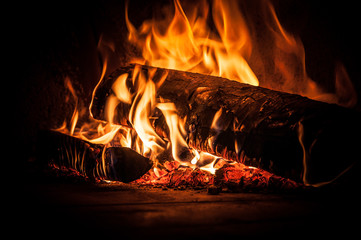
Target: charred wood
{"x":286,"y":134}
{"x":92,"y":161}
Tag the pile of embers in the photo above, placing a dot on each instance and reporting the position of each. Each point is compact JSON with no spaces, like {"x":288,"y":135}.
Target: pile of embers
{"x":234,"y":177}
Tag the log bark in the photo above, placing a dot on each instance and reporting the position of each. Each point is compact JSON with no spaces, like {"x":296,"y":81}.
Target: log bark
{"x":64,"y":151}
{"x":286,"y":134}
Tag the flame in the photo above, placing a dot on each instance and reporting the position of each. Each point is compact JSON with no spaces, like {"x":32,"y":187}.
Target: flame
{"x":176,"y":129}
{"x":140,"y":135}
{"x":93,"y":130}
{"x":121,"y":90}
{"x":187,"y":43}
{"x":288,"y":55}
{"x":222,"y":54}
{"x":184,"y":40}
{"x":140,"y":112}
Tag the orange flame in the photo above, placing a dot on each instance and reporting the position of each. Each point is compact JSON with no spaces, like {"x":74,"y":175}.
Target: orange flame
{"x":184,"y":41}
{"x":188,"y":44}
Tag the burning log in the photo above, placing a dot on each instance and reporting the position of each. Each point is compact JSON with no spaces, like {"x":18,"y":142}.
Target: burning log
{"x":286,"y":134}
{"x":93,"y":161}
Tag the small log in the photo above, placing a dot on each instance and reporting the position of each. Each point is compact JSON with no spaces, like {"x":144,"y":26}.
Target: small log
{"x":286,"y":134}
{"x":64,"y":151}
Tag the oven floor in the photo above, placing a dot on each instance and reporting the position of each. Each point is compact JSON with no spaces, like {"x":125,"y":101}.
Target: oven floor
{"x":124,"y":211}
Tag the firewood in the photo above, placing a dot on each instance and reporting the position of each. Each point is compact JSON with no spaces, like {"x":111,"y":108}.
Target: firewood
{"x":286,"y":134}
{"x":64,"y":151}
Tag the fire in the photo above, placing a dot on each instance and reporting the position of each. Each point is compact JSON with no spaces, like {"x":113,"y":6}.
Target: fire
{"x":184,"y":41}
{"x":140,"y":135}
{"x":188,"y":44}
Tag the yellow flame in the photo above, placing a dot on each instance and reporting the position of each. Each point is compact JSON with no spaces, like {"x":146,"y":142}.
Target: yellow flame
{"x":140,"y":112}
{"x":121,"y":90}
{"x":176,"y":128}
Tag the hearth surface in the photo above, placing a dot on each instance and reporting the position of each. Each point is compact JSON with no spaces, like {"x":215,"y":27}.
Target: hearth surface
{"x":56,"y":207}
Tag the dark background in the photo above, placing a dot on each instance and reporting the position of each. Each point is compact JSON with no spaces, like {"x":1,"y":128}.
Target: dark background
{"x":55,"y":39}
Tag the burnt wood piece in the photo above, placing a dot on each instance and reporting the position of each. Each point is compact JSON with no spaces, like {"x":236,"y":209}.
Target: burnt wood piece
{"x":64,"y":151}
{"x":237,"y":179}
{"x":286,"y":134}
